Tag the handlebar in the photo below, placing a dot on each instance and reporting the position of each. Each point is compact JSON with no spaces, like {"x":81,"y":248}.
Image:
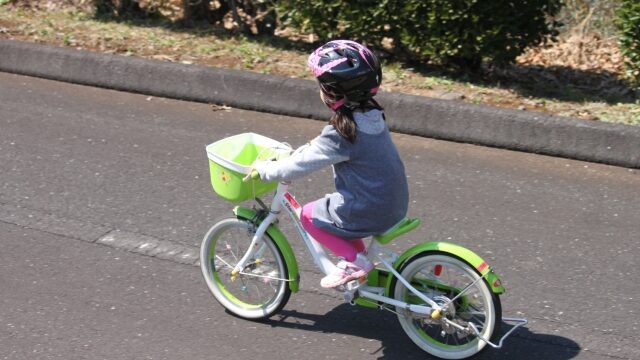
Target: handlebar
{"x":253,"y":175}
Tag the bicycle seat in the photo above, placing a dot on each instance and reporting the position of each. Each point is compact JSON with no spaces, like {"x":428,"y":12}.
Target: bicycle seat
{"x":404,"y":226}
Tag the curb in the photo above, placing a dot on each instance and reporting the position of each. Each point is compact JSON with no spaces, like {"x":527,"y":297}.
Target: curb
{"x":613,"y":144}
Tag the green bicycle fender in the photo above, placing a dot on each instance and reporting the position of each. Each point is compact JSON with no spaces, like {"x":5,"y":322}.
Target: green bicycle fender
{"x":282,"y":244}
{"x":461,"y":252}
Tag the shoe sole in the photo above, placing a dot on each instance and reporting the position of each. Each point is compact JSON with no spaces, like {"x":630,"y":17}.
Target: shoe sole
{"x":344,"y":280}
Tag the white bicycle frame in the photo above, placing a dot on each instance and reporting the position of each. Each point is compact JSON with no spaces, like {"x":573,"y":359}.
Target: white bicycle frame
{"x":284,"y":199}
{"x":375,"y":253}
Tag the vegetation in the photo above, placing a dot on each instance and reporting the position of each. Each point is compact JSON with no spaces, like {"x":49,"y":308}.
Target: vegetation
{"x":461,"y":33}
{"x":628,"y":23}
{"x":578,"y":75}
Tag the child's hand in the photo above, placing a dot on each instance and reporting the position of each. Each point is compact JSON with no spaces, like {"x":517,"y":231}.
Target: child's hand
{"x":253,"y":174}
{"x":259,"y":164}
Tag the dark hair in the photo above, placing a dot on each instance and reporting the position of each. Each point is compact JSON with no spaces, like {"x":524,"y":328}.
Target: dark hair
{"x":342,"y":120}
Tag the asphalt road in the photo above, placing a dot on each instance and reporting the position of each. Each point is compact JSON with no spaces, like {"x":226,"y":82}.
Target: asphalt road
{"x":86,"y":172}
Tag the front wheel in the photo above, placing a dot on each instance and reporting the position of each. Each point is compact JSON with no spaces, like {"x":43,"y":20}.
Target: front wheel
{"x":443,"y":277}
{"x":261,"y":289}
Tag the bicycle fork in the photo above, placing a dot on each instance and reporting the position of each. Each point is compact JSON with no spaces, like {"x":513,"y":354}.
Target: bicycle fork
{"x":253,"y":247}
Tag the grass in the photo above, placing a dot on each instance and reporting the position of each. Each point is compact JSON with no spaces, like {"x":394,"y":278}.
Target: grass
{"x":528,"y":88}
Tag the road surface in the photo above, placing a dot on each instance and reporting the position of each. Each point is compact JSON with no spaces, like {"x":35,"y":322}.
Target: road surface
{"x":88,"y":174}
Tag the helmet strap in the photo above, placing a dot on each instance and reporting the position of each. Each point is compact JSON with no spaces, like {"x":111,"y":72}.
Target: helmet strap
{"x":375,"y":103}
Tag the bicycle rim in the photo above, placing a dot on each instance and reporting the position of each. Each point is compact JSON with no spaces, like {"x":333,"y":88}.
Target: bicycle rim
{"x":442,"y":278}
{"x":261,"y":289}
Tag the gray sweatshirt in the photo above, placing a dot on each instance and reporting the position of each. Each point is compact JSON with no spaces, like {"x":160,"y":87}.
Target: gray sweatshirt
{"x":371,"y":186}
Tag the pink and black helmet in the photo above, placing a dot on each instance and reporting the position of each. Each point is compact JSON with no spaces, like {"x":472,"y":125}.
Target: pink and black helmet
{"x":347,"y":72}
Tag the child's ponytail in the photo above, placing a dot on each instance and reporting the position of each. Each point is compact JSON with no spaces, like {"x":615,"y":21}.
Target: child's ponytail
{"x":342,"y":121}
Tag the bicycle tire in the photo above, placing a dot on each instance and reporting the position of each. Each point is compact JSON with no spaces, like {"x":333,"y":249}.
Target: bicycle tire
{"x":261,"y":289}
{"x":441,"y":277}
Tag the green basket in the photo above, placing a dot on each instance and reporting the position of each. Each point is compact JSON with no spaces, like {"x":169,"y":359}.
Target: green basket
{"x":230,"y":160}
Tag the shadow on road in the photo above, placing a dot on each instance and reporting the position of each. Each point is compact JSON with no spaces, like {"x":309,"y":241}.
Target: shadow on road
{"x":384,"y":327}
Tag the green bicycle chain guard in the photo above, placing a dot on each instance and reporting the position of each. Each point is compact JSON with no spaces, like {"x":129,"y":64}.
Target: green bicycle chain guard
{"x":281,"y":242}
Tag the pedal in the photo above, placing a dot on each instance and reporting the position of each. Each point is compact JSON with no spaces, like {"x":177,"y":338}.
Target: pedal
{"x":348,"y":297}
{"x":350,"y":291}
{"x":354,"y":284}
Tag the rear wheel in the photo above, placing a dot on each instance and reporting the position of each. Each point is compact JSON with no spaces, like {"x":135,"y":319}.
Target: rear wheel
{"x":442,"y":277}
{"x":261,"y":289}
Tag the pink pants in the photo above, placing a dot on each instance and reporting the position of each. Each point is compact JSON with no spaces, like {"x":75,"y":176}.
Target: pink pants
{"x":347,"y":249}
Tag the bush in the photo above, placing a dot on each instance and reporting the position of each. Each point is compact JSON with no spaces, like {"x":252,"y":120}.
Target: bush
{"x":460,"y":32}
{"x":331,"y":19}
{"x":628,"y":23}
{"x":251,"y":17}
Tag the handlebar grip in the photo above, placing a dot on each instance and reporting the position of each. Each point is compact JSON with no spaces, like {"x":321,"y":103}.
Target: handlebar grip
{"x":254,"y":175}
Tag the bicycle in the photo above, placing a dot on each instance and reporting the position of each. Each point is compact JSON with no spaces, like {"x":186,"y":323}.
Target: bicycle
{"x":445,"y":296}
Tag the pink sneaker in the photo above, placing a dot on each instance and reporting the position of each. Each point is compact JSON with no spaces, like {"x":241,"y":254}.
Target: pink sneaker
{"x":347,"y":271}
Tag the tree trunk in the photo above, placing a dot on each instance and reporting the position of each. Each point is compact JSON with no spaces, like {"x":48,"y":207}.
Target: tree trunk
{"x":196,"y":10}
{"x":130,"y":8}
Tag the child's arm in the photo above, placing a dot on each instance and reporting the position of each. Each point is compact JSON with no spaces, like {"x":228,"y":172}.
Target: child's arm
{"x":327,"y":149}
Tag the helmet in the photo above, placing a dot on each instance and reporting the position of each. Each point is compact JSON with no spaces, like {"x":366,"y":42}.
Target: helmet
{"x":348,"y":73}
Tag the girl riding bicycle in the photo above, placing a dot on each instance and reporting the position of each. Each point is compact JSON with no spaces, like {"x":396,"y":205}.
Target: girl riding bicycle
{"x":371,"y":187}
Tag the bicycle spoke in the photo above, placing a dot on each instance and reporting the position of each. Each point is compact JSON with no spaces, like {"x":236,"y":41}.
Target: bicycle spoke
{"x":223,"y":262}
{"x":260,"y":288}
{"x":263,"y":276}
{"x":463,"y":296}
